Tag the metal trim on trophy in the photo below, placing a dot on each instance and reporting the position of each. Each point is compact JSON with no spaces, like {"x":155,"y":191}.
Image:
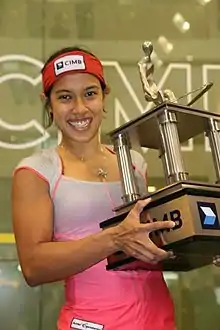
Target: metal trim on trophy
{"x":194,"y":206}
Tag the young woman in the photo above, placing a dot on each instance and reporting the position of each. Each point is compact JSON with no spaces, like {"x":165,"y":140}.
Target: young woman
{"x":60,"y":195}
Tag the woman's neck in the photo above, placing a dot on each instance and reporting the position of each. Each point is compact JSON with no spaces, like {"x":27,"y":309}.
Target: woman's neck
{"x":83,"y":150}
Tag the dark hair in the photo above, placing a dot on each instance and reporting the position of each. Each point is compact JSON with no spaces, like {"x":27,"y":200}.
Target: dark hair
{"x":47,"y":115}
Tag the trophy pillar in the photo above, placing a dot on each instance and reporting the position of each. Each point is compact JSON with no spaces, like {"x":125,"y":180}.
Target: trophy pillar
{"x":170,"y":153}
{"x":122,"y":148}
{"x":213,"y":134}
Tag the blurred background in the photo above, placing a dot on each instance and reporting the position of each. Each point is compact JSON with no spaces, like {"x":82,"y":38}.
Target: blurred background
{"x":186,"y":42}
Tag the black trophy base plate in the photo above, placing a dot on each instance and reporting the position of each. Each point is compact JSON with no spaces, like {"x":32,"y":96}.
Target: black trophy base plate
{"x":190,"y":253}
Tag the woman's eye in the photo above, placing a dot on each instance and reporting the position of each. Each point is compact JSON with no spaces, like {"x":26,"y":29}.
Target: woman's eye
{"x":64,"y":97}
{"x":91,"y":93}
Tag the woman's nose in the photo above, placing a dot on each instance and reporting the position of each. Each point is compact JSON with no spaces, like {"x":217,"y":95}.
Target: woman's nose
{"x":78,"y":105}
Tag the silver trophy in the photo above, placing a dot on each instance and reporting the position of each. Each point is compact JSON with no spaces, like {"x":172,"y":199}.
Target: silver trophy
{"x":193,"y":206}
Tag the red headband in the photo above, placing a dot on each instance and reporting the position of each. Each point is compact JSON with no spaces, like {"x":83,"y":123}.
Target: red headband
{"x":75,"y":61}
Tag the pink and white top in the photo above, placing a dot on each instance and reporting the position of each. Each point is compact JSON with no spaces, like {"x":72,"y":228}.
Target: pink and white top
{"x":97,"y":299}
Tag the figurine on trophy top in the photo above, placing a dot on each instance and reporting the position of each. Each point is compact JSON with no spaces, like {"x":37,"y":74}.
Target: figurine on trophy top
{"x":146,"y":69}
{"x":151,"y":90}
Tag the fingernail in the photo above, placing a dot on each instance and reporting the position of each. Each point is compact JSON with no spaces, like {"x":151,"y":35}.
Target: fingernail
{"x":171,"y":255}
{"x":216,"y":260}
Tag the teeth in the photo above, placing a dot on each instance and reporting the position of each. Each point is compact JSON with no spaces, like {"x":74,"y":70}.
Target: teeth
{"x":80,"y":123}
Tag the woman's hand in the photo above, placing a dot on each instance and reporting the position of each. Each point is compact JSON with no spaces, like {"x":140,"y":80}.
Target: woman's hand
{"x":133,"y":236}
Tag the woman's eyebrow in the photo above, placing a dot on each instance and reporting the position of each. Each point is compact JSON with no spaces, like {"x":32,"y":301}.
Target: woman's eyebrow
{"x":62,"y":91}
{"x":92,"y":87}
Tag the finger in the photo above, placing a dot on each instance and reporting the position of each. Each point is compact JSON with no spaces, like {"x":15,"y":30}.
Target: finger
{"x":140,"y":205}
{"x":157,"y":225}
{"x":151,"y":254}
{"x":150,"y":246}
{"x":159,"y":254}
{"x":144,"y":256}
{"x":149,"y":249}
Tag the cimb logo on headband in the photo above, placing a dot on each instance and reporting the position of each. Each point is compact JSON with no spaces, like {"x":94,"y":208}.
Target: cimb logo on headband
{"x":68,"y":63}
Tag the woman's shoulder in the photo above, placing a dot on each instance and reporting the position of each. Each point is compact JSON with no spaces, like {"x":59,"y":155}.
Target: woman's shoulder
{"x":40,"y":158}
{"x":45,"y":163}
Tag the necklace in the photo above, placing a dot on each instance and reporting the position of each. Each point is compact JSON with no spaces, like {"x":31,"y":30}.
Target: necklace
{"x":101,"y":172}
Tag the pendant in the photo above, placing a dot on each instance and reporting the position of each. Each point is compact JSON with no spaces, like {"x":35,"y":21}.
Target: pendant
{"x":102,"y":173}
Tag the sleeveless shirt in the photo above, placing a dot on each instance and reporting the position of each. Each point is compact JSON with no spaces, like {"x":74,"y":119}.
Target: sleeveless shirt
{"x":97,"y":299}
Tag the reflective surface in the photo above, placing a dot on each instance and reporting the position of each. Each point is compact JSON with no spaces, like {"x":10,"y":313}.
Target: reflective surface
{"x":185,"y":35}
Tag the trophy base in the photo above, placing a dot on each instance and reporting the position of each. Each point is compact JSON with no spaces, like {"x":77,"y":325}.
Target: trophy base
{"x":190,"y":253}
{"x":195,"y":240}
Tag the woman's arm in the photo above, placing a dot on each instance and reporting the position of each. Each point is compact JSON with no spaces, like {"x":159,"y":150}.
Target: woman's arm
{"x":41,"y":259}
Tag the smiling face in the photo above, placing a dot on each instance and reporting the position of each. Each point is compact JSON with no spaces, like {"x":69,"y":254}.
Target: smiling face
{"x":77,"y":102}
